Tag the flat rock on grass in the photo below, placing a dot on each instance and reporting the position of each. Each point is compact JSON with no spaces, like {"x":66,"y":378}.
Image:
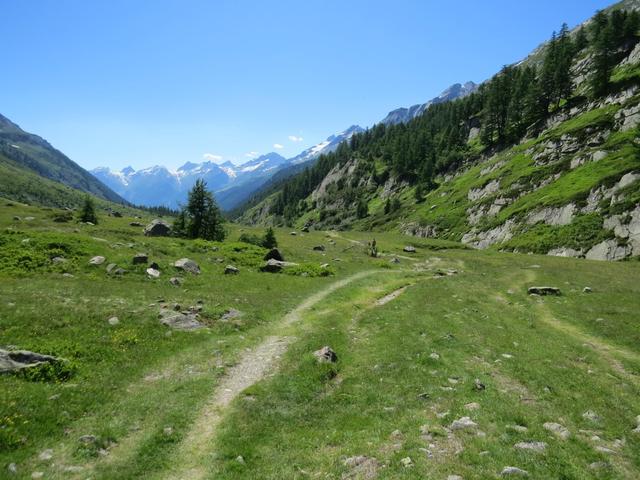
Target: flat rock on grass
{"x":187,"y":265}
{"x":97,"y":260}
{"x":14,"y":360}
{"x":558,"y":430}
{"x":185,"y":321}
{"x":361,"y":468}
{"x":464,"y":423}
{"x":532,"y":446}
{"x":513,"y":472}
{"x":231,"y":314}
{"x":544,"y":291}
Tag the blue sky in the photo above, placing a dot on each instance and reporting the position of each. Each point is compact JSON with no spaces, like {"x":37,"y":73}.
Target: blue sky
{"x":132,"y":82}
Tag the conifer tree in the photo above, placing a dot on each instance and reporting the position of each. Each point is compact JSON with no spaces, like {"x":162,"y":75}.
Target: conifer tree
{"x":269,"y":240}
{"x":88,"y":211}
{"x":202,"y":216}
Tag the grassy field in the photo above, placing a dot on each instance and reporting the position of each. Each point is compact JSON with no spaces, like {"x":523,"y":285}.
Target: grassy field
{"x":245,"y":397}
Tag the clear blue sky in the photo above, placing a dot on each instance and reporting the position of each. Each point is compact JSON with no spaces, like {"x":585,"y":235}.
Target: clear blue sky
{"x":119,"y":82}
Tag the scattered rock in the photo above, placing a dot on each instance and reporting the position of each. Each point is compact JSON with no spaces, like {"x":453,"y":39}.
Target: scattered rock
{"x":591,"y":416}
{"x":36,"y":475}
{"x":454,"y":477}
{"x":231,"y":314}
{"x":558,"y":430}
{"x":600,"y":466}
{"x":240,"y":459}
{"x":45,"y":455}
{"x":472,"y":406}
{"x":111,"y":267}
{"x":586,"y":290}
{"x":406,"y":462}
{"x":167,"y":431}
{"x":180,"y":320}
{"x":175,"y":281}
{"x":187,"y":265}
{"x":478,"y":385}
{"x":464,"y":423}
{"x":637,"y":429}
{"x":113,"y":321}
{"x":319,"y":248}
{"x":153,"y":273}
{"x":274,"y":254}
{"x":532,"y":446}
{"x":326,"y":355}
{"x":157,"y":228}
{"x":135,"y":224}
{"x":294,"y":233}
{"x":394,"y":260}
{"x":88,"y":439}
{"x":14,"y":360}
{"x":231,"y":270}
{"x":409,"y":249}
{"x":97,"y":260}
{"x":361,"y":468}
{"x":513,"y":471}
{"x":58,"y":260}
{"x":518,"y":428}
{"x":140,"y":259}
{"x":544,"y":291}
{"x":275,"y":266}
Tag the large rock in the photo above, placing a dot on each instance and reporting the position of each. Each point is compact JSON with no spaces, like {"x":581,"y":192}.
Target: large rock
{"x":609,"y":250}
{"x":187,"y":265}
{"x":185,"y":321}
{"x":231,"y":270}
{"x":97,"y":260}
{"x":14,"y":360}
{"x":544,"y":291}
{"x":274,"y":254}
{"x":275,"y":266}
{"x":157,"y":228}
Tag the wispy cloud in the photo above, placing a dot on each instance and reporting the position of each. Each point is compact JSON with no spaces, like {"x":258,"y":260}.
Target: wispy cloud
{"x":251,"y":154}
{"x":277,"y":146}
{"x":212,"y":157}
{"x":293,"y":138}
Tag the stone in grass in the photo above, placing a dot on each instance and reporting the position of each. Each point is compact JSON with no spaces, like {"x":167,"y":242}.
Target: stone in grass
{"x":361,"y":467}
{"x":45,"y":455}
{"x":153,"y":273}
{"x":157,"y":228}
{"x":230,"y":314}
{"x":463,"y":423}
{"x":140,"y":259}
{"x":454,"y":477}
{"x":180,"y":321}
{"x":591,"y":416}
{"x":325,"y":355}
{"x":544,"y":291}
{"x":409,"y":249}
{"x":537,"y":447}
{"x":637,"y":429}
{"x":175,"y":281}
{"x":558,"y":430}
{"x":587,"y":290}
{"x":14,"y":360}
{"x":113,"y":321}
{"x":319,"y":248}
{"x":97,"y":260}
{"x":478,"y":385}
{"x":275,"y":266}
{"x":36,"y":475}
{"x":406,"y":462}
{"x":187,"y":265}
{"x":513,"y":472}
{"x":231,"y":270}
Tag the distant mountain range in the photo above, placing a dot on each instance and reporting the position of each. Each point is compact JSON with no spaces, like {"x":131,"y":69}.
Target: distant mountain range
{"x":403,"y":115}
{"x":234,"y":184}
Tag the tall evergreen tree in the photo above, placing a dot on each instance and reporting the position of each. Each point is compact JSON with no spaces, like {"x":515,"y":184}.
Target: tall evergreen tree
{"x":88,"y":211}
{"x":202,"y":215}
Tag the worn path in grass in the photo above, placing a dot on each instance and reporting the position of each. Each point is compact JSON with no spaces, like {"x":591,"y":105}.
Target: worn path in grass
{"x":251,"y":368}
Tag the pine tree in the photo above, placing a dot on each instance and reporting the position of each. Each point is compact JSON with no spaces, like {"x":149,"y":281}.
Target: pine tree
{"x":362,"y":209}
{"x":269,"y":240}
{"x":387,"y":207}
{"x":581,"y":41}
{"x":202,"y":215}
{"x":88,"y":212}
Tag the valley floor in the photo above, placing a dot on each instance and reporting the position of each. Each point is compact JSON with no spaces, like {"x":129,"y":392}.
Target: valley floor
{"x":445,"y":365}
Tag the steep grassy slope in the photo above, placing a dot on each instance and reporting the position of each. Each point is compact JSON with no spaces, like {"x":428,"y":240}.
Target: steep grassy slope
{"x":141,"y":399}
{"x":22,"y":151}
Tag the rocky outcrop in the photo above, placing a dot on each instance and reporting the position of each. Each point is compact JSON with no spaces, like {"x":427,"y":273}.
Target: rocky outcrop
{"x":626,"y":226}
{"x":553,"y":216}
{"x":416,"y":230}
{"x":14,"y":360}
{"x":487,"y":238}
{"x":476,"y":194}
{"x":609,"y":250}
{"x":157,"y":228}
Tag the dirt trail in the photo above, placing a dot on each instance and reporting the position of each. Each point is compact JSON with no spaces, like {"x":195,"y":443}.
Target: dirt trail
{"x":252,"y":367}
{"x":392,"y":296}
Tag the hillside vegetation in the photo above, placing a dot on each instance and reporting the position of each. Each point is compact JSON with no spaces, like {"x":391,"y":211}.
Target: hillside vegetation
{"x":542,"y":158}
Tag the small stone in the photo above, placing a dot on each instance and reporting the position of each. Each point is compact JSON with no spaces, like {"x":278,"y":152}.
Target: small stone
{"x":325,"y":355}
{"x":591,"y":416}
{"x":324,"y":266}
{"x":599,"y":466}
{"x":240,"y":459}
{"x":231,"y":270}
{"x":478,"y":385}
{"x":97,"y":260}
{"x":558,"y":430}
{"x":472,"y":406}
{"x":587,"y":290}
{"x":12,"y":468}
{"x":606,"y":450}
{"x":514,"y":471}
{"x":175,"y":281}
{"x":518,"y":428}
{"x":544,"y":291}
{"x":532,"y":446}
{"x":153,"y":273}
{"x":507,"y":355}
{"x":167,"y":431}
{"x":37,"y":475}
{"x":319,"y":248}
{"x":409,"y":249}
{"x":394,"y":260}
{"x":46,"y":455}
{"x":406,"y":462}
{"x":454,"y":477}
{"x":464,"y":423}
{"x":87,"y":439}
{"x":434,"y":356}
{"x":113,"y":321}
{"x":140,"y":259}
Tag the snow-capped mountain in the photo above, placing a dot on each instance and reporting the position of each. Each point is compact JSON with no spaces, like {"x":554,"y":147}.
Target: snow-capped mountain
{"x":159,"y":186}
{"x":403,"y":115}
{"x":329,"y":145}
